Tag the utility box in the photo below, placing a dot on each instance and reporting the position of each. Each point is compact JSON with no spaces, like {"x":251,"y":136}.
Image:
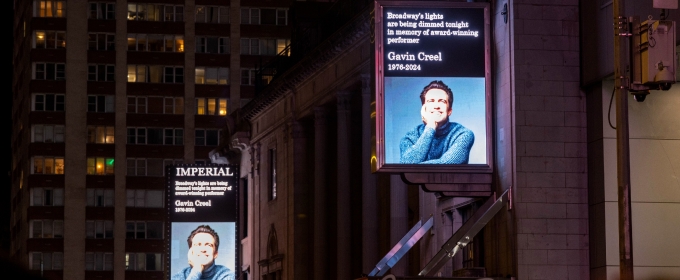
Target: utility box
{"x":653,"y":51}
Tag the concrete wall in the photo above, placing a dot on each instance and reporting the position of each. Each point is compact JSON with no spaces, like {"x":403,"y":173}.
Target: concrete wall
{"x":551,"y":180}
{"x":655,"y":187}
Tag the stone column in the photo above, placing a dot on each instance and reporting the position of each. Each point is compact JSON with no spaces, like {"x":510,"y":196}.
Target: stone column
{"x":120,"y":167}
{"x":398,"y":219}
{"x":343,"y":196}
{"x":320,"y":202}
{"x":369,"y":222}
{"x":75,"y":141}
{"x":301,"y":200}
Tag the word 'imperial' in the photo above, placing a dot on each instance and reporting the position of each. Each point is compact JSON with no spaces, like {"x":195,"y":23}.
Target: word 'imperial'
{"x":204,"y":171}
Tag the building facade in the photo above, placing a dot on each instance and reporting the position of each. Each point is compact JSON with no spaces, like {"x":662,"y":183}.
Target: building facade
{"x":105,"y":95}
{"x":315,"y":210}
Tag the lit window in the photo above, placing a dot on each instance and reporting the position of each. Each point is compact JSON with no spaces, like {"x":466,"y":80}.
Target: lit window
{"x":47,"y":39}
{"x":155,"y":12}
{"x":100,"y":166}
{"x":48,"y":165}
{"x":100,"y":134}
{"x":212,"y":75}
{"x":282,"y":47}
{"x":51,"y":8}
{"x":211,"y":106}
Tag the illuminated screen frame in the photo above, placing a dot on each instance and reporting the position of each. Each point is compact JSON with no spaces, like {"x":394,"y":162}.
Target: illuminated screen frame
{"x":222,"y":213}
{"x":398,"y":103}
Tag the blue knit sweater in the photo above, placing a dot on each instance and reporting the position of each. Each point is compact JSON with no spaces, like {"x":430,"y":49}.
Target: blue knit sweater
{"x":450,"y":144}
{"x":214,"y":272}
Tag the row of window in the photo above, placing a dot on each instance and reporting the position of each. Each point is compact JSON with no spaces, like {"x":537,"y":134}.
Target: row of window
{"x":155,"y":74}
{"x":135,"y":104}
{"x":50,"y":133}
{"x":167,"y":13}
{"x":97,"y":261}
{"x":146,"y":74}
{"x":97,"y":229}
{"x":45,"y":39}
{"x":98,"y":197}
{"x":155,"y":42}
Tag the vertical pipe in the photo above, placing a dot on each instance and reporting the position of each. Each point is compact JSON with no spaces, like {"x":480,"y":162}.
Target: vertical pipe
{"x":622,"y":145}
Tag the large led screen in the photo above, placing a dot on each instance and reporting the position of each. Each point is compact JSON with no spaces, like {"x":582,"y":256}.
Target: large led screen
{"x":433,"y":95}
{"x":203,"y":215}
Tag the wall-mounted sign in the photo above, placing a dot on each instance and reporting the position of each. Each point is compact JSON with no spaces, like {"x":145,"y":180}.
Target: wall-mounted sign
{"x":203,"y":215}
{"x":433,"y":93}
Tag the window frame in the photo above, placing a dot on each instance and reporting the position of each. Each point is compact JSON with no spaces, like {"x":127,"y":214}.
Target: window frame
{"x":142,"y":198}
{"x":101,"y":103}
{"x":100,"y":197}
{"x":43,"y":165}
{"x":57,"y":99}
{"x":47,"y":196}
{"x":106,"y":170}
{"x":94,"y":72}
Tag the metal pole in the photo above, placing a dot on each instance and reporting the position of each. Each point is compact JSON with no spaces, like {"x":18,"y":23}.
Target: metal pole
{"x":621,"y":31}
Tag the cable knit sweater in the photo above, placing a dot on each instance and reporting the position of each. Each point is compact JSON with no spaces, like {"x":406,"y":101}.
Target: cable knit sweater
{"x":214,"y":272}
{"x":450,"y":144}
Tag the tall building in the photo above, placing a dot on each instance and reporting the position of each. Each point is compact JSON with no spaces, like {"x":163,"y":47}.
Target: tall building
{"x":105,"y":94}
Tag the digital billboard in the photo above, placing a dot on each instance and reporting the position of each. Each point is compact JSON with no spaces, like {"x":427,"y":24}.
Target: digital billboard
{"x":433,"y":94}
{"x":203,"y":215}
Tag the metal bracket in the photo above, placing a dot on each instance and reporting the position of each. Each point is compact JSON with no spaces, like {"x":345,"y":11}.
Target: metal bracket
{"x":622,"y":26}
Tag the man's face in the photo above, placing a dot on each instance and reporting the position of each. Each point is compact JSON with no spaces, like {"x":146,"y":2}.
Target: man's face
{"x":203,"y":248}
{"x":437,"y":104}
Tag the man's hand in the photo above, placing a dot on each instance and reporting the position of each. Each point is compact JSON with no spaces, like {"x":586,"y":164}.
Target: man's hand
{"x":430,"y":117}
{"x":197,"y":260}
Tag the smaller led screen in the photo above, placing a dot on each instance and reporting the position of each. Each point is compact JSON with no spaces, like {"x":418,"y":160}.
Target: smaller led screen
{"x":203,"y":215}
